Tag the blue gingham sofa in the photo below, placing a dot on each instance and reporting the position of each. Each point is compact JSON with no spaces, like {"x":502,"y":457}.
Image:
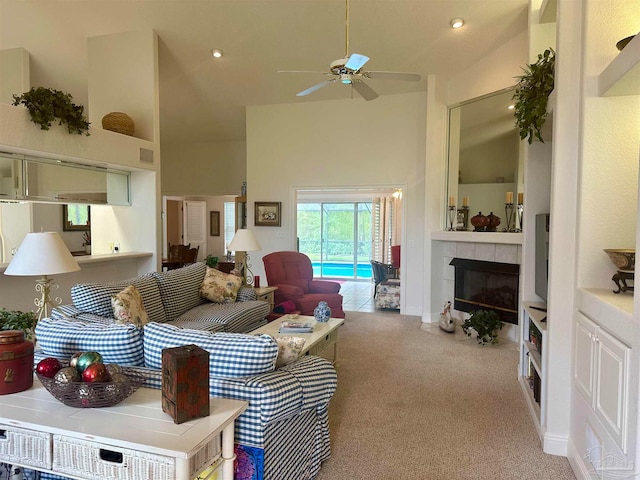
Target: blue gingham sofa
{"x":284,"y":432}
{"x":173,"y":297}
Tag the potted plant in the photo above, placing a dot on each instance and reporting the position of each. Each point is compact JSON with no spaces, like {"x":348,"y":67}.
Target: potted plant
{"x":211,"y":261}
{"x":45,"y":105}
{"x":17,"y":320}
{"x":485,"y":323}
{"x":86,"y":242}
{"x":532,"y":94}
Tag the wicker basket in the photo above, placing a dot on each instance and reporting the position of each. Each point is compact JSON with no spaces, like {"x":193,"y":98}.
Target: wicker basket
{"x":95,"y":394}
{"x":118,"y":122}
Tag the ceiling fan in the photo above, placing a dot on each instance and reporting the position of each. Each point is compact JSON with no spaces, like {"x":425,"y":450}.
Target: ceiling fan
{"x":348,"y":71}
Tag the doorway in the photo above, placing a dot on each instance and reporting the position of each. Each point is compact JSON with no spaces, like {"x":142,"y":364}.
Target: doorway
{"x":342,"y":230}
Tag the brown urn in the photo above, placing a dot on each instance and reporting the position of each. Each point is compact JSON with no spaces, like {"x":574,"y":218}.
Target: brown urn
{"x":492,"y":222}
{"x":479,"y":222}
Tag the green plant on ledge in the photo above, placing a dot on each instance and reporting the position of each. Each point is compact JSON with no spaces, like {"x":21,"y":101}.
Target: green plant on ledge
{"x":17,"y":320}
{"x":486,"y":324}
{"x":532,"y":95}
{"x":45,"y":105}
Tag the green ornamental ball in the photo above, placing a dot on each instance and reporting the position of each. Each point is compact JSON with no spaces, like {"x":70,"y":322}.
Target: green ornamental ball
{"x":86,"y":359}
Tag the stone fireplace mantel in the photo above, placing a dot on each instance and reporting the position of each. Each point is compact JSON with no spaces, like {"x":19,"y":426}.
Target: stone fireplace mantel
{"x":478,"y":237}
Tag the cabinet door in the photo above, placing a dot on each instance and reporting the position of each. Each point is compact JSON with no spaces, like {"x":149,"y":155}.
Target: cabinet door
{"x":611,"y":390}
{"x":584,"y":356}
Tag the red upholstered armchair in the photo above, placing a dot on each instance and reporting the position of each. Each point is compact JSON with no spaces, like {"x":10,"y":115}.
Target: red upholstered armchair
{"x":292,"y":273}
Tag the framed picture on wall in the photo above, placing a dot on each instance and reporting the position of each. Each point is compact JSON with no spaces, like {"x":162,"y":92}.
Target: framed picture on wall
{"x":267,"y":214}
{"x":214,"y":227}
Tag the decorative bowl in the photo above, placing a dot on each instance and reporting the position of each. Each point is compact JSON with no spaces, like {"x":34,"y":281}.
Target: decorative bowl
{"x":93,"y":394}
{"x":623,"y":259}
{"x":623,"y":43}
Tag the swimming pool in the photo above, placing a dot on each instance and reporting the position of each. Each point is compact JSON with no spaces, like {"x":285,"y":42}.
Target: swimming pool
{"x":341,"y":269}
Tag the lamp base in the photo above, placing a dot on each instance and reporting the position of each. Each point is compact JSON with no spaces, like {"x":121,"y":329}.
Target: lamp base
{"x":44,"y":286}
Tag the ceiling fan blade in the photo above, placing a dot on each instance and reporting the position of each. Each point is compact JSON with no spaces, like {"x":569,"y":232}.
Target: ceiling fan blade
{"x":314,"y":88}
{"x":411,"y":77}
{"x":304,"y":71}
{"x":364,"y":90}
{"x":356,"y":61}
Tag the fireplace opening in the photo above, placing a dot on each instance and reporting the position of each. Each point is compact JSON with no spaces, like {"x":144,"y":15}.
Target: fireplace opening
{"x":481,"y":285}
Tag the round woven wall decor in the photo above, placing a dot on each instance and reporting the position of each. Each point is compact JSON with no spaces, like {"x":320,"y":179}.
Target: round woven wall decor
{"x":118,"y":122}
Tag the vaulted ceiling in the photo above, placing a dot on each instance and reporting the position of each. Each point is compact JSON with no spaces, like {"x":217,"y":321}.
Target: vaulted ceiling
{"x":203,"y":99}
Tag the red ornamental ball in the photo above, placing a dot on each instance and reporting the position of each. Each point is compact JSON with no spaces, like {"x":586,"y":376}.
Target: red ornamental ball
{"x":96,"y":372}
{"x":48,"y":367}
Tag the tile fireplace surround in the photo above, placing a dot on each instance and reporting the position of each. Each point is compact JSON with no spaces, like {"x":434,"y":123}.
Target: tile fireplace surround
{"x":490,"y":247}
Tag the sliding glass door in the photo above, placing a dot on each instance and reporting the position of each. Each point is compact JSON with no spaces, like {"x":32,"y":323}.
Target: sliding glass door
{"x":337,"y":238}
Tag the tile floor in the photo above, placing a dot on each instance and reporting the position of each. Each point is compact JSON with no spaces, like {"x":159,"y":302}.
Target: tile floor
{"x":358,"y":296}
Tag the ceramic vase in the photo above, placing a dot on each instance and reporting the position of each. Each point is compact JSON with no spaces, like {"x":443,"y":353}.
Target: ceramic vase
{"x":322,"y":312}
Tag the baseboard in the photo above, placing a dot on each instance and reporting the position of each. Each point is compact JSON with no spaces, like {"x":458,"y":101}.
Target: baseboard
{"x":430,"y":317}
{"x":581,"y":470}
{"x":555,"y":444}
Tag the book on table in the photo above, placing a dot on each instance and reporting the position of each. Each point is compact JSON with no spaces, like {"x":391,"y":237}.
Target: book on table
{"x":296,"y":327}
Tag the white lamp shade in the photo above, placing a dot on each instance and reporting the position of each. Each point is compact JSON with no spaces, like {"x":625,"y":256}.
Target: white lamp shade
{"x":42,"y":253}
{"x":244,"y":241}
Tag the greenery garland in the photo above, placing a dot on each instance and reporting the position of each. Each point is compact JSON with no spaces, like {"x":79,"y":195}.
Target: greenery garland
{"x":45,"y":105}
{"x":532,"y":94}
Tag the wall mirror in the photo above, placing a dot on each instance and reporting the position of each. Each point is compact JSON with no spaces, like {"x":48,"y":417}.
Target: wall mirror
{"x":484,"y":162}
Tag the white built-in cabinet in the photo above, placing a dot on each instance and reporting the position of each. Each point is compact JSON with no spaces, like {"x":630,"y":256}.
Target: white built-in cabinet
{"x":601,"y":375}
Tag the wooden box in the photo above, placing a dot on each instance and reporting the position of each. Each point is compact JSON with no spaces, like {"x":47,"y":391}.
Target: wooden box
{"x":185,"y":382}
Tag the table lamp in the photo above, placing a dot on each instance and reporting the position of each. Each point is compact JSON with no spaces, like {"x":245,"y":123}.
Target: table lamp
{"x":243,"y":242}
{"x":42,"y":254}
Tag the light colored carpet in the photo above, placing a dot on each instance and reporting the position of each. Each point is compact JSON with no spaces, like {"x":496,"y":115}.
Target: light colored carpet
{"x":414,"y":402}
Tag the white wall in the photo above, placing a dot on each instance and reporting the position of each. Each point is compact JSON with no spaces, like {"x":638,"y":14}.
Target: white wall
{"x":212,"y":168}
{"x":344,"y":143}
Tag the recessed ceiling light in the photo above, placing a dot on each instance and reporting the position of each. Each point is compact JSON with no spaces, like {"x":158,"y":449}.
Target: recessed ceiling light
{"x":511,"y":107}
{"x":457,"y":22}
{"x":216,"y":53}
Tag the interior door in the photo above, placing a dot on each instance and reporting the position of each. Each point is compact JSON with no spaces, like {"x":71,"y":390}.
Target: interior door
{"x":195,"y":226}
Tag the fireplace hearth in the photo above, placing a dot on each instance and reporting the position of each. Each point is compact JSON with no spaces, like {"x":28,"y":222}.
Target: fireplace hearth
{"x":481,"y":285}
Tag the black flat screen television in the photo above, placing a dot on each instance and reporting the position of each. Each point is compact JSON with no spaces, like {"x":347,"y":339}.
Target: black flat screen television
{"x":542,"y":255}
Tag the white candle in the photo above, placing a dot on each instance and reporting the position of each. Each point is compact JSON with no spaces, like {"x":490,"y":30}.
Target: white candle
{"x":452,"y":201}
{"x":465,"y":201}
{"x":520,"y":198}
{"x":509,"y":197}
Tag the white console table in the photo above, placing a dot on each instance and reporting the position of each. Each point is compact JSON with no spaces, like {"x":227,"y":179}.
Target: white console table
{"x":39,"y":432}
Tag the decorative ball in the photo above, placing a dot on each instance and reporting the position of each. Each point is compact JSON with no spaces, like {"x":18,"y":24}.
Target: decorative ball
{"x":48,"y":367}
{"x":114,"y":368}
{"x":119,"y":378}
{"x":67,"y":375}
{"x":73,"y":361}
{"x":86,"y":359}
{"x":96,"y":372}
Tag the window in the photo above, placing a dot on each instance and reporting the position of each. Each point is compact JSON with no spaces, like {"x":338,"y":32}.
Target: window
{"x":229,"y":222}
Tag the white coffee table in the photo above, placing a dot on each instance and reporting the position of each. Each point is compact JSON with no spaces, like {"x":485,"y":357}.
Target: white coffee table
{"x":324,"y":336}
{"x":132,"y":435}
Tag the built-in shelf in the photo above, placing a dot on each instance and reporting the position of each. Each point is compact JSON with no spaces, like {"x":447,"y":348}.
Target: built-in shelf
{"x":537,"y":316}
{"x":478,"y":237}
{"x":622,"y":75}
{"x":102,"y":258}
{"x":613,"y":311}
{"x":534,"y":355}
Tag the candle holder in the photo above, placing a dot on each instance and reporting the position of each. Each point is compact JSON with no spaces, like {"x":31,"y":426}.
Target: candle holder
{"x":508,"y":213}
{"x":520,"y":213}
{"x":463,"y":219}
{"x":452,"y":218}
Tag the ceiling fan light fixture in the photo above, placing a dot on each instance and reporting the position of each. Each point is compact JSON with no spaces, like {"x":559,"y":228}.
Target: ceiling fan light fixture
{"x":457,"y":23}
{"x":216,"y":53}
{"x":345,"y":78}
